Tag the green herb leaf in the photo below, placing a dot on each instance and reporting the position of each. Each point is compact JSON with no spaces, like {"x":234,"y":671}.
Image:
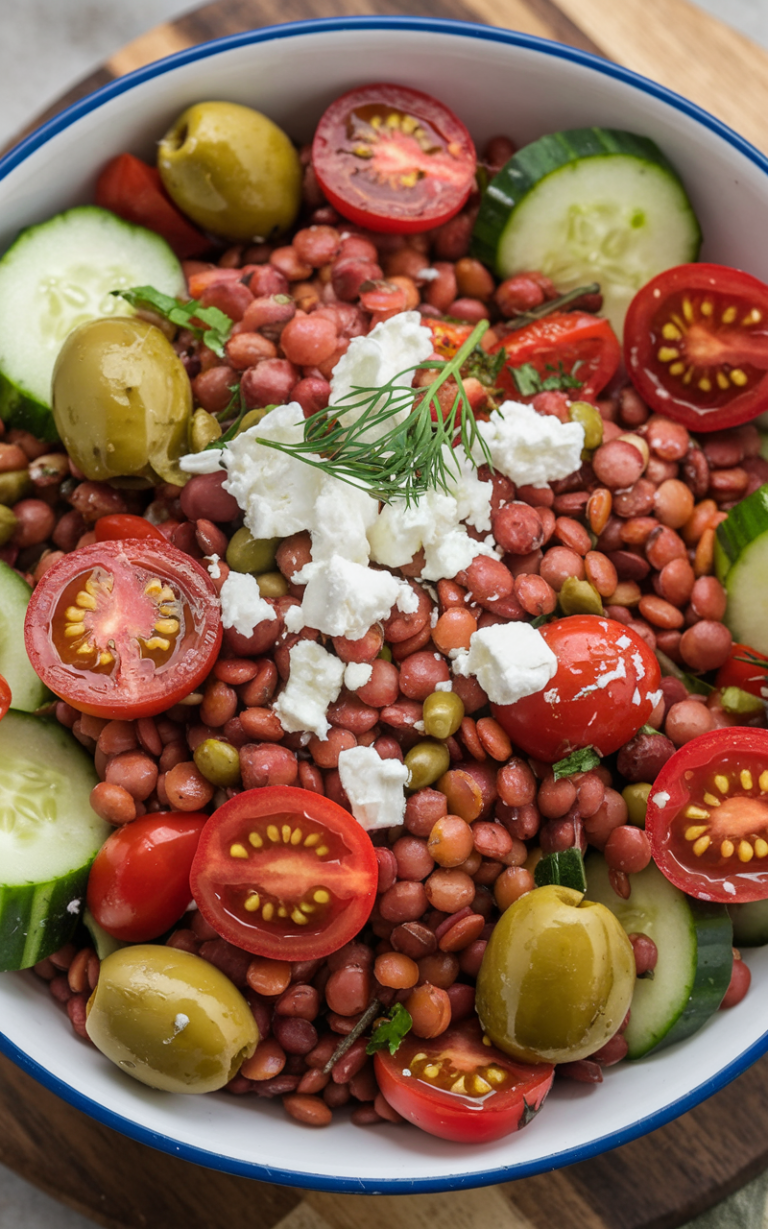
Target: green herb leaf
{"x":190,"y":315}
{"x":529,"y":381}
{"x":391,"y":1031}
{"x":648,"y":729}
{"x":578,"y":761}
{"x":484,"y":367}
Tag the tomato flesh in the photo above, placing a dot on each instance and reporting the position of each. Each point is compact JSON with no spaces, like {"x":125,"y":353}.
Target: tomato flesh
{"x":574,"y":343}
{"x":123,"y":629}
{"x":133,"y":190}
{"x":393,"y":159}
{"x":139,"y":882}
{"x":459,"y":1088}
{"x":707,"y":816}
{"x":604,"y":690}
{"x":696,"y":345}
{"x":285,"y":873}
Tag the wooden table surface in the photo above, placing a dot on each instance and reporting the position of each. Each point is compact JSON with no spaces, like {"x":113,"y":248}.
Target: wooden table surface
{"x":654,"y":1183}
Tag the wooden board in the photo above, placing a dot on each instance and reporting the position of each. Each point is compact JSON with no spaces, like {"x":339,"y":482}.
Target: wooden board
{"x":657,"y":1182}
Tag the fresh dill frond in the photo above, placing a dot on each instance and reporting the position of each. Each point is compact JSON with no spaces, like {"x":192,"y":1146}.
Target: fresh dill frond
{"x":401,"y":444}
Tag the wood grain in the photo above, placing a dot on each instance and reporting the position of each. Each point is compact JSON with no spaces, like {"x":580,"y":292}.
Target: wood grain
{"x":657,"y":1182}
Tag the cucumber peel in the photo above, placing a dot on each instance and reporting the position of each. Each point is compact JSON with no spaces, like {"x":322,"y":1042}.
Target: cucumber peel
{"x":27,"y":691}
{"x":565,"y":868}
{"x":54,"y":277}
{"x":741,"y":562}
{"x":588,"y":204}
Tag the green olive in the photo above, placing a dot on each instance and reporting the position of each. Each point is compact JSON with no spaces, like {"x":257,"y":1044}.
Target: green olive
{"x":122,"y":401}
{"x":443,"y":714}
{"x":218,"y":762}
{"x":170,"y":1019}
{"x":636,"y":798}
{"x":231,"y":170}
{"x":248,"y":554}
{"x":272,"y":584}
{"x":579,"y":597}
{"x":426,"y":762}
{"x":557,"y":977}
{"x":591,"y":420}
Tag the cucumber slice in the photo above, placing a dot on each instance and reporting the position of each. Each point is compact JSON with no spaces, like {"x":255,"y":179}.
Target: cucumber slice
{"x":27,"y":691}
{"x":741,"y":560}
{"x":750,"y":923}
{"x":694,"y":941}
{"x":48,"y":837}
{"x":565,"y":868}
{"x":56,"y":276}
{"x":588,"y":205}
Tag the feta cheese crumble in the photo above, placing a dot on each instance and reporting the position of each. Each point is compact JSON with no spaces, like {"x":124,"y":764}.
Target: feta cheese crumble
{"x":531,"y":449}
{"x":375,"y":787}
{"x":392,"y":348}
{"x":357,"y":674}
{"x":242,"y":605}
{"x":344,"y":598}
{"x":661,"y":799}
{"x":314,"y":682}
{"x":509,"y":661}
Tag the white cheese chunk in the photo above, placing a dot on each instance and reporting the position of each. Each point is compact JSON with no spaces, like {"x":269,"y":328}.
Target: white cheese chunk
{"x":357,"y":674}
{"x":509,"y":661}
{"x":343,"y":598}
{"x":531,"y":449}
{"x":375,"y":787}
{"x":392,"y":348}
{"x":206,"y":462}
{"x":242,"y":606}
{"x":314,"y":682}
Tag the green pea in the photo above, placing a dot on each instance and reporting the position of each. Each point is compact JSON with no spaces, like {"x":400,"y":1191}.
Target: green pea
{"x":205,"y":429}
{"x":443,"y":714}
{"x":386,"y":653}
{"x":218,"y":762}
{"x":272,"y":584}
{"x":14,"y":485}
{"x":636,"y":798}
{"x":592,"y":422}
{"x":248,"y":554}
{"x":426,"y":763}
{"x":8,"y":523}
{"x":579,"y":597}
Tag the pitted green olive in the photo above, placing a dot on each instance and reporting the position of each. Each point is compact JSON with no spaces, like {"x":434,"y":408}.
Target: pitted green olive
{"x":122,"y":401}
{"x":170,"y":1019}
{"x":557,"y":977}
{"x":231,"y":170}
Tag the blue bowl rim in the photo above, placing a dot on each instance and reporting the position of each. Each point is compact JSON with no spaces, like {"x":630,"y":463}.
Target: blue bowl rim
{"x":213,"y":1160}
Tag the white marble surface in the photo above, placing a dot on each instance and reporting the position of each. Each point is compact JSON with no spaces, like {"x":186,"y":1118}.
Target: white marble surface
{"x":46,"y":46}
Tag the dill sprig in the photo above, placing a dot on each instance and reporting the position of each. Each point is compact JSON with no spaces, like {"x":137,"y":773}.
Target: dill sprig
{"x":401,"y":444}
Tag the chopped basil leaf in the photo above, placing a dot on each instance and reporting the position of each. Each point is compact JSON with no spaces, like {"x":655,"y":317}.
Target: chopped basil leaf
{"x":484,"y":367}
{"x":391,"y":1031}
{"x":528,"y":381}
{"x":186,"y":315}
{"x":578,"y":761}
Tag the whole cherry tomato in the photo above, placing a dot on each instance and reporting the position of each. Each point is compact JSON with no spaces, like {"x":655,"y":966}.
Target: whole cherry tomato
{"x":122,"y":525}
{"x":285,"y":873}
{"x":133,"y":190}
{"x":696,"y":345}
{"x":139,"y":882}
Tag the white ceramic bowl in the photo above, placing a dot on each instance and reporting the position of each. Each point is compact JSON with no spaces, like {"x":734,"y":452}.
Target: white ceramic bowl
{"x":496,"y":81}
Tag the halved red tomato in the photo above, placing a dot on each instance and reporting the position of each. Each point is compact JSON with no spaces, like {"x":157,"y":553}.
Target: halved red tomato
{"x":604,"y":690}
{"x":457,"y":1087}
{"x":746,"y":669}
{"x":123,"y":629}
{"x":5,"y":697}
{"x":574,"y":343}
{"x":133,"y":190}
{"x":707,"y":816}
{"x":122,"y":525}
{"x":393,"y":159}
{"x":696,"y":345}
{"x":285,"y":873}
{"x":138,"y":885}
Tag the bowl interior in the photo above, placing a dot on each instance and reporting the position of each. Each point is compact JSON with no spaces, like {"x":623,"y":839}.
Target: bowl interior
{"x":496,"y":82}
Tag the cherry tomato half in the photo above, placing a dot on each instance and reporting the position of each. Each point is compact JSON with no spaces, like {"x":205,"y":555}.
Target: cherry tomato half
{"x":133,"y":190}
{"x":457,"y":1087}
{"x":122,"y":525}
{"x":707,"y":816}
{"x":604,"y":690}
{"x":5,"y":697}
{"x":285,"y":873}
{"x":393,"y":159}
{"x":746,"y":669}
{"x":139,"y":882}
{"x":123,"y":629}
{"x":696,"y":345}
{"x":572,"y":343}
